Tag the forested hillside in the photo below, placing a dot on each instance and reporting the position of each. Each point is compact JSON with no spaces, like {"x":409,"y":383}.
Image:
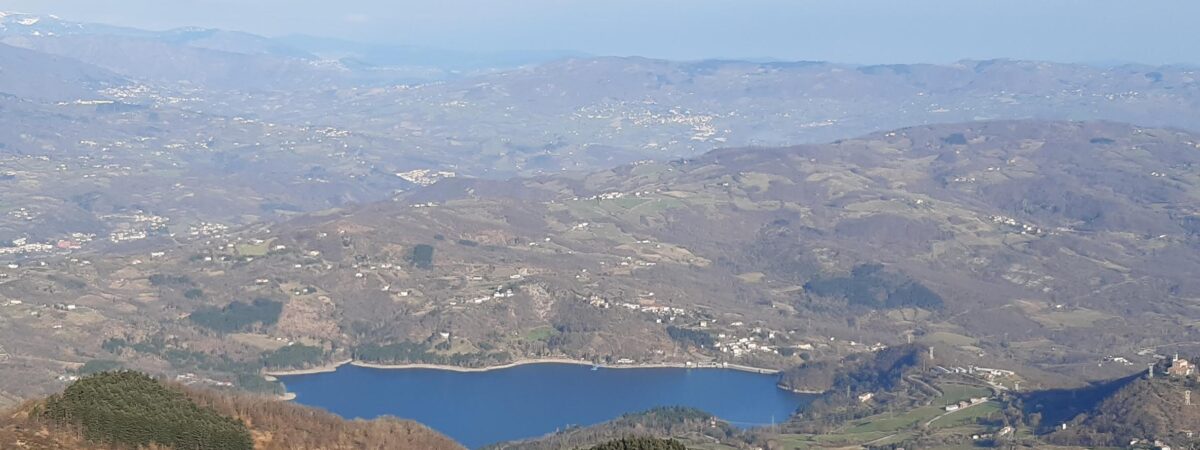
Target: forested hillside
{"x":115,"y":410}
{"x":873,"y":371}
{"x":132,"y":409}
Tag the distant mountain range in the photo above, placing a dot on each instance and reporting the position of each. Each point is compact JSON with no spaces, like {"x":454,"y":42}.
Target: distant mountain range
{"x":281,"y":131}
{"x":210,"y":57}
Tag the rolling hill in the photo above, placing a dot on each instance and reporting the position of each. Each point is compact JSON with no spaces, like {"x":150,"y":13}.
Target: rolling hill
{"x":1012,"y":242}
{"x":277,"y":131}
{"x":123,"y":409}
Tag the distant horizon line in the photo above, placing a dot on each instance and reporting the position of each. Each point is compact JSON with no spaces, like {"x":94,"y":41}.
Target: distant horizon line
{"x":568,"y":54}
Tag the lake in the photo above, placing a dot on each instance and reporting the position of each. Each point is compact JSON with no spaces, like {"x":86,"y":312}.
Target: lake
{"x":479,"y":408}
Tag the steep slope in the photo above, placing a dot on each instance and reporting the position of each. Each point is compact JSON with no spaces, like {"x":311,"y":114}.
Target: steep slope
{"x":1139,"y":410}
{"x":38,"y":76}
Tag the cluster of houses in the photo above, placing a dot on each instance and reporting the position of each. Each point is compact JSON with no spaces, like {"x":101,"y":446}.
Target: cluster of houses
{"x":152,"y":221}
{"x":613,"y":196}
{"x":648,"y":306}
{"x":207,"y":229}
{"x":136,"y":227}
{"x":1118,"y":359}
{"x":744,"y":345}
{"x":1150,"y":443}
{"x":75,"y":241}
{"x":500,"y":293}
{"x":985,"y":372}
{"x":127,"y":234}
{"x":425,"y":177}
{"x":607,"y":196}
{"x":331,"y":132}
{"x":22,"y":213}
{"x":193,"y":379}
{"x":661,"y":311}
{"x":965,"y":403}
{"x":137,"y":92}
{"x":23,"y":246}
{"x":1024,"y":228}
{"x":750,"y":341}
{"x":629,"y":261}
{"x":702,"y":124}
{"x":981,"y":436}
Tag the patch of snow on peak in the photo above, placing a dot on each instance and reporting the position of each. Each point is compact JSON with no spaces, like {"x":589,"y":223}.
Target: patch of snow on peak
{"x":28,"y":21}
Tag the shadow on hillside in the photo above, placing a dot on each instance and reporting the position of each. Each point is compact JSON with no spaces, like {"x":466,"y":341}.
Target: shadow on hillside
{"x":1061,"y":405}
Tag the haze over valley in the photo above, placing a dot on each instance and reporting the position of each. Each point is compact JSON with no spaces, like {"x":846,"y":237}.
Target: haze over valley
{"x":224,"y":210}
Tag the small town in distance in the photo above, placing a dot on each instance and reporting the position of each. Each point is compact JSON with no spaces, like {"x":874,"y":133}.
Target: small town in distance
{"x":623,"y":225}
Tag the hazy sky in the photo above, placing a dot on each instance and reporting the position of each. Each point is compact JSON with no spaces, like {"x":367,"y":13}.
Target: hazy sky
{"x":864,"y":31}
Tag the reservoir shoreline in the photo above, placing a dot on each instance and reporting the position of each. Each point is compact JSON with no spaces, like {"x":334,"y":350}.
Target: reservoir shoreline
{"x":332,"y":367}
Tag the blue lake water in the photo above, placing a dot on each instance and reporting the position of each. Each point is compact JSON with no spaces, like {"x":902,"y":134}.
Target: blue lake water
{"x":479,"y":408}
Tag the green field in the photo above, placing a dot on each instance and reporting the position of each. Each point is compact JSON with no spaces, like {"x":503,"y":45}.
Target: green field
{"x":539,"y":334}
{"x":954,"y":393}
{"x":254,"y":249}
{"x":887,"y":422}
{"x":967,"y":416}
{"x":628,"y":208}
{"x":898,"y":426}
